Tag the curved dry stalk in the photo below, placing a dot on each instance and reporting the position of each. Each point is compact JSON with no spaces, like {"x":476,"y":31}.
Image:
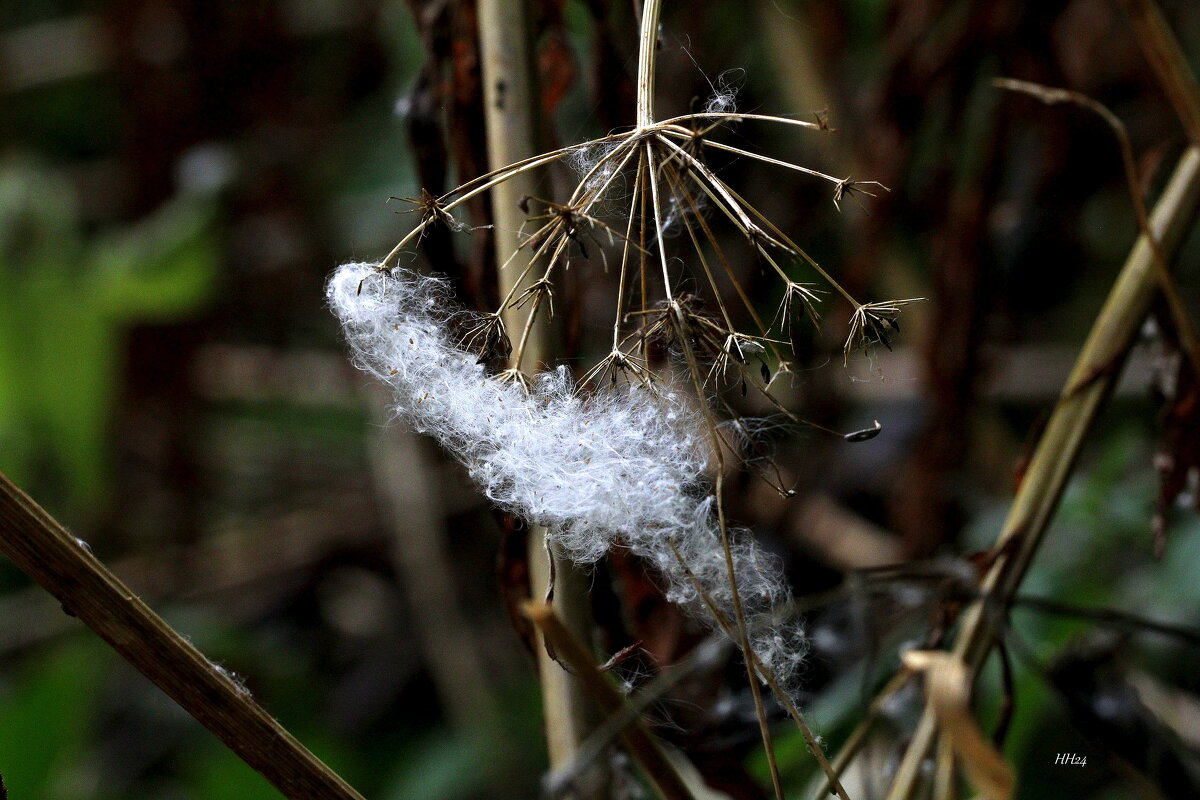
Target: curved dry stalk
{"x":1168,"y":61}
{"x":1188,"y":341}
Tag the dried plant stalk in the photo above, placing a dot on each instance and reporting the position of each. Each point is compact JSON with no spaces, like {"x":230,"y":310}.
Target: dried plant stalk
{"x":1089,"y":385}
{"x":511,"y":106}
{"x":642,"y":747}
{"x":1168,"y":61}
{"x":1175,"y":305}
{"x":948,"y":687}
{"x":66,"y":567}
{"x":673,"y":189}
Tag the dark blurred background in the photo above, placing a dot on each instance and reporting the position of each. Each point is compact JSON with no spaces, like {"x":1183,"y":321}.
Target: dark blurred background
{"x":178,"y":178}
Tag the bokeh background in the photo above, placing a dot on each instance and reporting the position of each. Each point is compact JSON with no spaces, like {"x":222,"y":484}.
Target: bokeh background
{"x":178,"y":178}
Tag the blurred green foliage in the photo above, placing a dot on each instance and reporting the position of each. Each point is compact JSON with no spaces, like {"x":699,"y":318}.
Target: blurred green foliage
{"x":67,"y":299}
{"x":48,"y":709}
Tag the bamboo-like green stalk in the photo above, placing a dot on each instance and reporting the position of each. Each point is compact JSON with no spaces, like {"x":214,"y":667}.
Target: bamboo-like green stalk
{"x":1095,"y":373}
{"x":511,"y":109}
{"x":66,"y":568}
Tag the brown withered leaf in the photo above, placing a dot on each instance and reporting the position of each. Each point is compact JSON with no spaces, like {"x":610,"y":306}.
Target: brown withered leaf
{"x":949,"y":691}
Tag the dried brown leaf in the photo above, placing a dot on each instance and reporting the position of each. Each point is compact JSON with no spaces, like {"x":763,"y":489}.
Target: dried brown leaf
{"x":948,"y":687}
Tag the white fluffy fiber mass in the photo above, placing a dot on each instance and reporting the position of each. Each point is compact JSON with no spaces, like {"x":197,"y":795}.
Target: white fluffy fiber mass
{"x":620,"y":467}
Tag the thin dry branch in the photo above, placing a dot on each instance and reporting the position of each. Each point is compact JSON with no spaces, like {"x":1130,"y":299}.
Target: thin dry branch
{"x":66,"y":567}
{"x":832,"y":782}
{"x":1179,"y":315}
{"x":1168,"y":61}
{"x":708,"y":654}
{"x":740,"y":628}
{"x":671,"y":184}
{"x":642,"y":747}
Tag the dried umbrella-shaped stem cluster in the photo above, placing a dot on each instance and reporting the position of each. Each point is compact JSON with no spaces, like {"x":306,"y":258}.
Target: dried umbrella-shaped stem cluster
{"x":623,"y":465}
{"x":673,"y":188}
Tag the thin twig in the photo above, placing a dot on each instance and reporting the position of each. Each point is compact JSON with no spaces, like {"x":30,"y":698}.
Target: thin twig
{"x":1188,"y":341}
{"x":832,"y":782}
{"x":642,"y":747}
{"x":707,"y":654}
{"x":66,"y":567}
{"x":1109,"y":617}
{"x":743,"y":634}
{"x":647,"y":56}
{"x":1168,"y":61}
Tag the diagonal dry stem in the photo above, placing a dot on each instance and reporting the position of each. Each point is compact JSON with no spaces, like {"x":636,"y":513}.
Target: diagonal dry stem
{"x":743,"y":633}
{"x":1088,"y":386}
{"x":832,"y":782}
{"x":641,"y":746}
{"x":66,"y":568}
{"x":1188,"y":341}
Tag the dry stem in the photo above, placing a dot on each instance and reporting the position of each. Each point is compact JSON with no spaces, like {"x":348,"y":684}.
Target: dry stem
{"x":66,"y":567}
{"x":511,"y":105}
{"x":832,"y":782}
{"x":1088,"y":386}
{"x":1186,"y":332}
{"x":671,"y":183}
{"x":647,"y":49}
{"x":642,"y":747}
{"x":1165,"y":56}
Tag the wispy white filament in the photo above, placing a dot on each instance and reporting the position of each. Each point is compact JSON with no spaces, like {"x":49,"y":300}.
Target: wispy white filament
{"x":623,"y":467}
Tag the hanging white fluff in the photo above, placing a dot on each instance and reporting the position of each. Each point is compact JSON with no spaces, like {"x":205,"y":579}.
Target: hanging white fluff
{"x":621,"y":467}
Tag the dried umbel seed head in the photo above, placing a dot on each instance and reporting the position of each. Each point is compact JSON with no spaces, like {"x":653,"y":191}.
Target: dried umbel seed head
{"x":623,"y":465}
